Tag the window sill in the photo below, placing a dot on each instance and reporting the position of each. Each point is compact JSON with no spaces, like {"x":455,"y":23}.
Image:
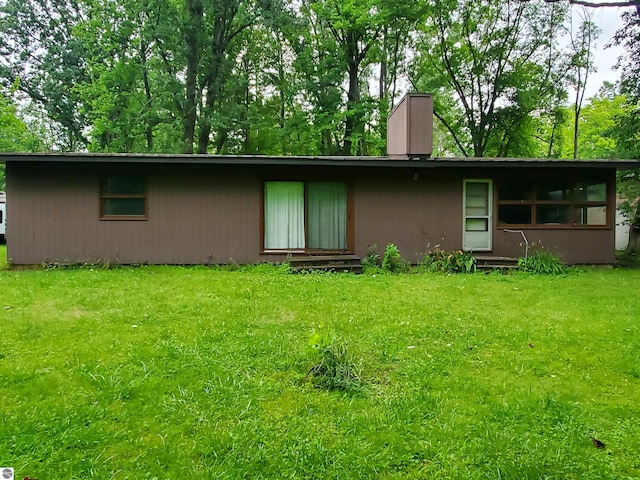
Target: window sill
{"x":272,"y":251}
{"x":124,"y":218}
{"x":556,"y":226}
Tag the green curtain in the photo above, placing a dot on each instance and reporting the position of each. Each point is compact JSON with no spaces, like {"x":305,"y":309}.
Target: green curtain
{"x":327,"y":215}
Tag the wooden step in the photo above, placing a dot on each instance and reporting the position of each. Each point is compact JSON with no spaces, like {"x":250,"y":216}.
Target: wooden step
{"x":326,"y":263}
{"x":492,"y":262}
{"x":357,"y":269}
{"x":488,"y":266}
{"x":302,"y":259}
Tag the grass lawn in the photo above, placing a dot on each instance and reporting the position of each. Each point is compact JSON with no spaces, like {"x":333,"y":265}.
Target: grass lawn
{"x":163,"y":372}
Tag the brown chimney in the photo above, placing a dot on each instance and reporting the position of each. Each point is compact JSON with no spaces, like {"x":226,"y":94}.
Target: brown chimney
{"x":410,"y":127}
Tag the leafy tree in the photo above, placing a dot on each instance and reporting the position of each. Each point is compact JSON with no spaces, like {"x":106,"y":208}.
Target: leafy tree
{"x":124,"y":103}
{"x":627,"y":122}
{"x":597,"y":125}
{"x":492,"y":66}
{"x":356,"y":28}
{"x":15,"y":134}
{"x":581,"y":66}
{"x":41,"y":56}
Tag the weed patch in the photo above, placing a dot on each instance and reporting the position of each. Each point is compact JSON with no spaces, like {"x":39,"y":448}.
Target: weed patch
{"x":449,"y":262}
{"x":392,"y":261}
{"x":542,"y":262}
{"x":335,"y":367}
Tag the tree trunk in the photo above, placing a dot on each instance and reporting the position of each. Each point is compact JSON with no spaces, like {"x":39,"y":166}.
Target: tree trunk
{"x":352,"y":122}
{"x":282,"y":79}
{"x":634,"y":232}
{"x":576,"y":126}
{"x":147,"y":93}
{"x":634,"y":241}
{"x":211,"y":98}
{"x":192,"y":39}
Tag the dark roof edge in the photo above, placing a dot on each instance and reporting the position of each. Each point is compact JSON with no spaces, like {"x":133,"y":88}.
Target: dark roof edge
{"x":337,"y":161}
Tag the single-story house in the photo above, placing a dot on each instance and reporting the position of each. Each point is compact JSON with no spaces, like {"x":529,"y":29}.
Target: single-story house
{"x":211,"y":209}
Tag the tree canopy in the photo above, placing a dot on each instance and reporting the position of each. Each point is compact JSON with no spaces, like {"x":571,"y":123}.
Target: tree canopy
{"x":15,"y":134}
{"x":307,"y":77}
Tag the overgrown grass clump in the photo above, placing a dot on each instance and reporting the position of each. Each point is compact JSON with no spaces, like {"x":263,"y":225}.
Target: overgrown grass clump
{"x":163,"y":372}
{"x":336,"y":369}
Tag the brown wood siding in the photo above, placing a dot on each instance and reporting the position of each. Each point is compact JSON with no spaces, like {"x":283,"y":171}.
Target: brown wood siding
{"x":410,"y":126}
{"x":414,"y":214}
{"x":212,"y":214}
{"x":194,"y":217}
{"x":397,"y":135}
{"x":578,"y":246}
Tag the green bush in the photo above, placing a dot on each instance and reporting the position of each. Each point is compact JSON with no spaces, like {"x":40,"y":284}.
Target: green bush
{"x":372,"y":260}
{"x":393,"y":261}
{"x":627,"y":260}
{"x":542,"y":262}
{"x":449,"y":262}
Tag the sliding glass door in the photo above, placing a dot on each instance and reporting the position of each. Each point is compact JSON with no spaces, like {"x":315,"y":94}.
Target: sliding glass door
{"x":305,"y":216}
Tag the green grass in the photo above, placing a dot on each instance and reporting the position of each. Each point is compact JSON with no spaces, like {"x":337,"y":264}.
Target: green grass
{"x":163,"y":372}
{"x":3,"y":257}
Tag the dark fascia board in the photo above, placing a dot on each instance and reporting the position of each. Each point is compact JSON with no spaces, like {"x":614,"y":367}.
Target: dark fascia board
{"x":331,"y":161}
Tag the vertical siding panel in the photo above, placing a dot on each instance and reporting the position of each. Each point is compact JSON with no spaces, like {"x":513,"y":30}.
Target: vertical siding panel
{"x":205,"y":231}
{"x":214,"y":228}
{"x":194,"y":212}
{"x":155,"y":212}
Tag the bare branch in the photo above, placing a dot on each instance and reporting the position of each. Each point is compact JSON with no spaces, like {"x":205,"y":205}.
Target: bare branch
{"x":452,"y":132}
{"x":584,"y":3}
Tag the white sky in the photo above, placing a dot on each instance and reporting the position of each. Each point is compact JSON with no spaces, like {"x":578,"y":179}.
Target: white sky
{"x":608,"y":19}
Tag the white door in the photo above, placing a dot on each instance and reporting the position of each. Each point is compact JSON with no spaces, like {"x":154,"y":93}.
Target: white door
{"x":476,"y":215}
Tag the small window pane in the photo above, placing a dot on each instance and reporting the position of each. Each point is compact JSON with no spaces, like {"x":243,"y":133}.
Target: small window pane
{"x":123,"y":206}
{"x":514,"y":214}
{"x":554,"y":190}
{"x":515,"y":191}
{"x":552,"y":214}
{"x":477,"y":199}
{"x":477,"y":225}
{"x":124,"y":186}
{"x":590,"y":215}
{"x":590,"y":192}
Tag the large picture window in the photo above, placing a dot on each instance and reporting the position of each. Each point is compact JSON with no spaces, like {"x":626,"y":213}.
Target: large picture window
{"x":553,"y":203}
{"x":305,"y":216}
{"x":123,"y":198}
